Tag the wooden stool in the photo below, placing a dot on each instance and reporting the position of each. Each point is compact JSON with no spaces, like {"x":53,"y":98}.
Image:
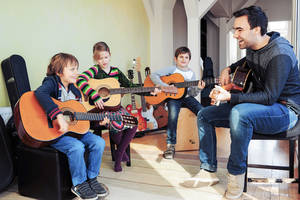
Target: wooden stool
{"x":187,"y":131}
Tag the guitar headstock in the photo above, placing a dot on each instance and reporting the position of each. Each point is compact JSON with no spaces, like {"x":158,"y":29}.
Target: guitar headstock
{"x":129,"y":121}
{"x":147,"y":71}
{"x":138,"y":64}
{"x":130,"y":74}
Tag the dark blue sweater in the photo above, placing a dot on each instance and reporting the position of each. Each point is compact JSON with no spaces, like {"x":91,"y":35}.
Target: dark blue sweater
{"x":51,"y":88}
{"x":276,"y":73}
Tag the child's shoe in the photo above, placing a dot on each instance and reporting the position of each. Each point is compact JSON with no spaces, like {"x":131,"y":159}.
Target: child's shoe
{"x":170,"y":152}
{"x":84,"y":191}
{"x":97,"y":187}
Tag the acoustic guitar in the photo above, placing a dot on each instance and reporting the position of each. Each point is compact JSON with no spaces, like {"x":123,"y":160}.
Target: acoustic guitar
{"x":110,"y":92}
{"x":147,"y":111}
{"x":241,"y":79}
{"x":36,"y":130}
{"x":158,"y":112}
{"x":178,"y":81}
{"x":133,"y":110}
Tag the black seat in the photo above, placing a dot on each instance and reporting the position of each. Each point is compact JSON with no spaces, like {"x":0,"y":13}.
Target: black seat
{"x":42,"y":173}
{"x":292,"y":135}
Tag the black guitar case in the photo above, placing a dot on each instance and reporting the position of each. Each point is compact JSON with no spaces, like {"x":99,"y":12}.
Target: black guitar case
{"x":6,"y":163}
{"x":16,"y":78}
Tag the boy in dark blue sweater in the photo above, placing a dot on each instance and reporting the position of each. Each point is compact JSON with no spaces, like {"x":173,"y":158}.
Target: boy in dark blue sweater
{"x":59,"y":84}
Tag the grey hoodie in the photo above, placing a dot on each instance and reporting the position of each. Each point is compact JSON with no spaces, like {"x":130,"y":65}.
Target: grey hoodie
{"x":276,"y":73}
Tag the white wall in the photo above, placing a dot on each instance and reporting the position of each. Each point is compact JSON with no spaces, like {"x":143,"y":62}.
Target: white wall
{"x":213,"y":45}
{"x":39,"y":29}
{"x":277,"y":10}
{"x":179,"y":25}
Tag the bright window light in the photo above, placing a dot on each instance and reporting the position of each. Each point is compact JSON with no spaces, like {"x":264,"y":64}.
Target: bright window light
{"x":283,"y":27}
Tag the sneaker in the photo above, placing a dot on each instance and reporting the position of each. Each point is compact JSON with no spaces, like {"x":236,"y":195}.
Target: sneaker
{"x":203,"y":176}
{"x":235,"y":186}
{"x":170,"y":152}
{"x":84,"y":191}
{"x":98,"y":188}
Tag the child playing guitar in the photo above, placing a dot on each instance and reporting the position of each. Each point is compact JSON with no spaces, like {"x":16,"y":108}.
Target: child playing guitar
{"x":182,"y":59}
{"x":102,"y":69}
{"x":59,"y":84}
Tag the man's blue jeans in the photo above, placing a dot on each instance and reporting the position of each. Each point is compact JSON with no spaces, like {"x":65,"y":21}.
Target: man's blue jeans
{"x":74,"y":149}
{"x":242,"y":119}
{"x":174,"y":106}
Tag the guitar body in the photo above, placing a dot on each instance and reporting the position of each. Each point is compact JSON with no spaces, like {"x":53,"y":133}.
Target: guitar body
{"x":241,"y":80}
{"x":102,"y":86}
{"x":161,"y":116}
{"x":174,"y":78}
{"x":32,"y":123}
{"x":151,"y":121}
{"x":137,"y":113}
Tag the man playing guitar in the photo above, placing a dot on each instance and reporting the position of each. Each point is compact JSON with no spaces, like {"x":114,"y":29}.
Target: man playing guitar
{"x":269,"y":109}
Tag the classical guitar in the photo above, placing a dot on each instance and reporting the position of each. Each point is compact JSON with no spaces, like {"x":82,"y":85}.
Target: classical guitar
{"x":110,"y":92}
{"x":36,"y":130}
{"x":147,"y":111}
{"x":178,"y":81}
{"x":158,"y":111}
{"x":133,"y":110}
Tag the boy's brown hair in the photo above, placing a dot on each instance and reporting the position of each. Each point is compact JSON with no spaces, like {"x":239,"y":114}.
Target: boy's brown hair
{"x":59,"y":61}
{"x":183,"y":50}
{"x":99,"y":46}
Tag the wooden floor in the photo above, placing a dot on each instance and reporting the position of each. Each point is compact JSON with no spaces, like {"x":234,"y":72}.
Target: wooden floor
{"x":260,"y":152}
{"x":150,"y":148}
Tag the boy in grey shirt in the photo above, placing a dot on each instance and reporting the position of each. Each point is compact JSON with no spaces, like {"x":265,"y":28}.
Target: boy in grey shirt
{"x":182,"y":59}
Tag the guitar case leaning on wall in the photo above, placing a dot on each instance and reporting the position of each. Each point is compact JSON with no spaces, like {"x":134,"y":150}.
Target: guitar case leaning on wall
{"x":16,"y":78}
{"x":6,"y":163}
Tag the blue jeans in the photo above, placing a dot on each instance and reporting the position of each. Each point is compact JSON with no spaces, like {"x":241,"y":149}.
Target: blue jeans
{"x":174,"y":106}
{"x":74,"y":149}
{"x":242,"y":119}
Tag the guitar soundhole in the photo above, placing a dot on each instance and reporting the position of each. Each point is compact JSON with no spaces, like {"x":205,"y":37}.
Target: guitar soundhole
{"x":103,"y":92}
{"x":69,"y":117}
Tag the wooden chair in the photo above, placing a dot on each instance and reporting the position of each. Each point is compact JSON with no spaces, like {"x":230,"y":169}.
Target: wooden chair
{"x":292,"y":135}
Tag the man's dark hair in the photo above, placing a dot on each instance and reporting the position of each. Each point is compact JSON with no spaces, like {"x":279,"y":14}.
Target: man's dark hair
{"x":256,"y":17}
{"x":183,"y":50}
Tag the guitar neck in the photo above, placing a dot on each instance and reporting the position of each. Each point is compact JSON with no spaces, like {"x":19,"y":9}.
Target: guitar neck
{"x":131,"y":90}
{"x":185,"y":84}
{"x":133,"y":102}
{"x":143,"y":102}
{"x":97,"y":116}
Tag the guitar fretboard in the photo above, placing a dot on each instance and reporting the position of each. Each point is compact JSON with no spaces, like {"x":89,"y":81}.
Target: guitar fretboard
{"x":98,"y":116}
{"x":131,"y":90}
{"x":207,"y":81}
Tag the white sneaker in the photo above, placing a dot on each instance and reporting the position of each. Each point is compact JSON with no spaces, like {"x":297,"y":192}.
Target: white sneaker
{"x":203,"y":176}
{"x":170,"y":152}
{"x":235,"y":186}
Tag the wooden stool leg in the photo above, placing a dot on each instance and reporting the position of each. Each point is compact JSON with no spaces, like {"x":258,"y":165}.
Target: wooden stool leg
{"x":246,"y":176}
{"x":291,"y":157}
{"x":112,"y":148}
{"x":128,"y":163}
{"x":298,"y":158}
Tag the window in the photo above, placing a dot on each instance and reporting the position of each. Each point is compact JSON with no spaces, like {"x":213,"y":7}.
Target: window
{"x":283,"y":27}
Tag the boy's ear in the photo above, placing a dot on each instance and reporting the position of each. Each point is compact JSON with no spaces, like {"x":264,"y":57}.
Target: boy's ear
{"x":175,"y":59}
